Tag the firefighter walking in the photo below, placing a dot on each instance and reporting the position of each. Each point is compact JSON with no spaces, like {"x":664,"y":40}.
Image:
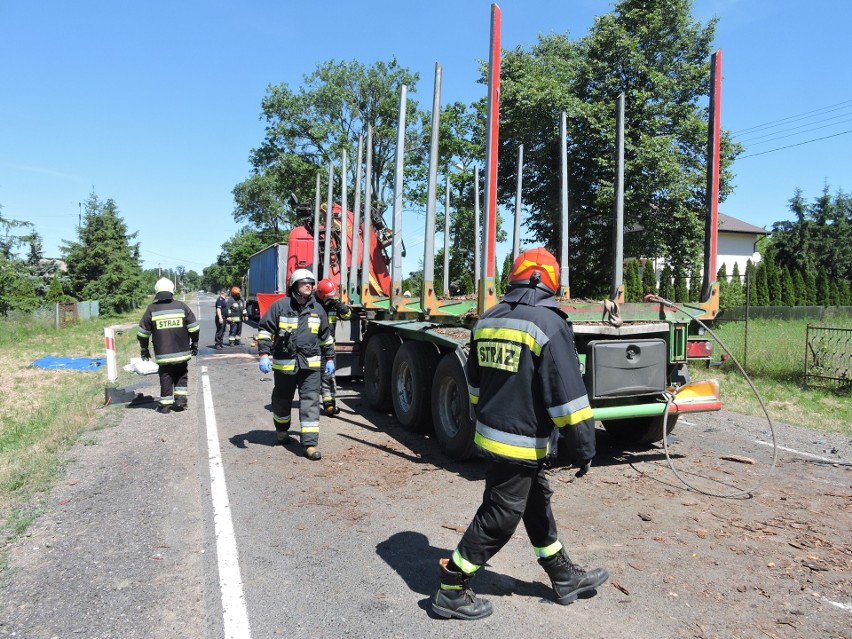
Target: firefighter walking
{"x":329,"y":296}
{"x":524,"y":380}
{"x":237,"y":314}
{"x":295,"y":332}
{"x":174,"y":331}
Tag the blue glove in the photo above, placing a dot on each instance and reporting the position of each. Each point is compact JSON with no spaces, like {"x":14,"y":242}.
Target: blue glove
{"x":264,"y":365}
{"x":329,"y":368}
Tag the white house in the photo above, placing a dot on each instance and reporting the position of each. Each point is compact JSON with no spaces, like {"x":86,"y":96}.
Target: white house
{"x":737,"y":243}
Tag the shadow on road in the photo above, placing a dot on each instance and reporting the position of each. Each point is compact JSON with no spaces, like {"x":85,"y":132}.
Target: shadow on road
{"x":415,"y":560}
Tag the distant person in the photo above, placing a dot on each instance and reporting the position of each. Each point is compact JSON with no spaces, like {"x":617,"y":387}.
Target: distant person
{"x":329,"y":296}
{"x":174,"y":331}
{"x":237,"y":314}
{"x":221,"y":318}
{"x":524,"y":380}
{"x":295,"y":331}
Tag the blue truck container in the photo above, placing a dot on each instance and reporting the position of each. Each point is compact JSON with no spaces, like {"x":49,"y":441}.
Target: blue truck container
{"x":267,"y":274}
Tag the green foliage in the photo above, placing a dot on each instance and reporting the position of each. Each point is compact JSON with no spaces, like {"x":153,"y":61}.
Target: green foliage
{"x":823,"y":289}
{"x":103,"y":264}
{"x":55,"y":293}
{"x":632,"y":282}
{"x":761,"y":284}
{"x":232,"y":263}
{"x":666,"y":288}
{"x":681,"y":291}
{"x":467,"y":284}
{"x":657,"y":55}
{"x":695,"y":285}
{"x":799,"y":288}
{"x":722,"y":278}
{"x":649,"y":279}
{"x":734,"y":291}
{"x":788,"y":288}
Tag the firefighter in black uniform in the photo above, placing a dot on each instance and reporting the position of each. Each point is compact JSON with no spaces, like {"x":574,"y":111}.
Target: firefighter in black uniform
{"x":237,"y":314}
{"x":294,"y":330}
{"x":329,"y":296}
{"x":174,"y":331}
{"x":524,"y":380}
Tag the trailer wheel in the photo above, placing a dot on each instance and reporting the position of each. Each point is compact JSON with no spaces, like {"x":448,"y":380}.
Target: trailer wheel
{"x":454,"y":427}
{"x":378,"y":364}
{"x":411,"y":384}
{"x":640,"y":430}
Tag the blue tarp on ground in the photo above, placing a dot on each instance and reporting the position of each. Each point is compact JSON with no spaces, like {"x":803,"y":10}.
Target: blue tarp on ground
{"x":75,"y":363}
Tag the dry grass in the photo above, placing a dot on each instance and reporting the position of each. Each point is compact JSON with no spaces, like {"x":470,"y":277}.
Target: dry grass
{"x":43,"y":412}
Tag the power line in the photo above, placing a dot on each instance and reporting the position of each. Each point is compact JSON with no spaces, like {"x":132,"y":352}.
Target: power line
{"x":789,"y":135}
{"x":790,"y":146}
{"x":798,"y":116}
{"x":794,"y":128}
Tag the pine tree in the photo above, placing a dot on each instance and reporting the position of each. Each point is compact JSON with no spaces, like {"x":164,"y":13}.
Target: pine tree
{"x":666,"y":288}
{"x":55,"y":292}
{"x":762,"y":284}
{"x":632,"y":282}
{"x":823,"y":289}
{"x":810,"y":289}
{"x":695,"y":286}
{"x":649,"y":279}
{"x":103,"y":265}
{"x":788,"y":288}
{"x":736,"y":297}
{"x":751,"y":284}
{"x":681,"y":292}
{"x":845,"y":293}
{"x":801,"y":294}
{"x":722,"y":279}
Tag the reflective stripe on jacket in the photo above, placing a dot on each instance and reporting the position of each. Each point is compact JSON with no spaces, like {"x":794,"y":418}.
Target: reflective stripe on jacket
{"x":297,"y":337}
{"x":171,"y":326}
{"x":524,"y":379}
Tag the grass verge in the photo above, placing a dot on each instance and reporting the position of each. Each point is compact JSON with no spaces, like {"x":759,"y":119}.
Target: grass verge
{"x":774,"y":358}
{"x":44,"y":411}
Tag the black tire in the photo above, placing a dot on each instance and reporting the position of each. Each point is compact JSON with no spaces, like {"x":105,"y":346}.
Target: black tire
{"x":640,"y":430}
{"x":454,"y":427}
{"x":411,"y":385}
{"x":378,"y":364}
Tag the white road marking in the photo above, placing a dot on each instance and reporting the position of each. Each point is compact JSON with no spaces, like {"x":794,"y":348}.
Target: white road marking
{"x":803,"y":454}
{"x":230,"y":583}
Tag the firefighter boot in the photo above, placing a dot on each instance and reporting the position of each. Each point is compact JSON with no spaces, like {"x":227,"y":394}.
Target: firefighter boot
{"x":568,"y":579}
{"x":312,"y":453}
{"x":329,"y":407}
{"x":455,"y":599}
{"x":180,"y":403}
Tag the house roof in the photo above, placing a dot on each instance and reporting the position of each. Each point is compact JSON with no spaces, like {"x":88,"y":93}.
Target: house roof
{"x":730,"y":224}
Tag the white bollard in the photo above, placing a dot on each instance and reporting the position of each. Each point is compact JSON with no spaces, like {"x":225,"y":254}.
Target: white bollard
{"x":109,"y":342}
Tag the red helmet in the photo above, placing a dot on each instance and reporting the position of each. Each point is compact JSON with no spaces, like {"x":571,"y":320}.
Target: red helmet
{"x":536,"y":268}
{"x":235,"y":290}
{"x":326,"y":288}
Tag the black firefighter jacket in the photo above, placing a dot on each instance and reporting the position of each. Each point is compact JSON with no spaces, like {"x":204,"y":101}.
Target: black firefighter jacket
{"x":171,"y":326}
{"x":297,"y":337}
{"x":524,"y":380}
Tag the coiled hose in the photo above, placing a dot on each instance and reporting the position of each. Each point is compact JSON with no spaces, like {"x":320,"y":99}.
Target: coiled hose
{"x":670,"y":398}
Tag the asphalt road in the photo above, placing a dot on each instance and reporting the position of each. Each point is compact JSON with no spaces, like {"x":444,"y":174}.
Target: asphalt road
{"x":196,"y":525}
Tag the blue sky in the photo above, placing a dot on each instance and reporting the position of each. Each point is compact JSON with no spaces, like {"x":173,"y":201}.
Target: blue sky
{"x":156,"y":104}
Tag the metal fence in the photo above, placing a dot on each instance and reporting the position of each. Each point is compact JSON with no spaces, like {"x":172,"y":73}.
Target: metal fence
{"x":828,"y":356}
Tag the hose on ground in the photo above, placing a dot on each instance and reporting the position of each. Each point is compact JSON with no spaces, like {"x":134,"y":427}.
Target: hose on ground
{"x":670,"y":398}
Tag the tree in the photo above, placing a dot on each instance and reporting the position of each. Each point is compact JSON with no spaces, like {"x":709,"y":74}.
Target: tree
{"x":55,"y":293}
{"x":799,"y":288}
{"x":681,"y":291}
{"x":632,"y":282}
{"x":750,"y":284}
{"x":308,"y":127}
{"x":761,"y":284}
{"x":788,"y":288}
{"x":734,"y":289}
{"x":666,"y":288}
{"x":695,"y":285}
{"x":649,"y":279}
{"x":232,"y":263}
{"x":654,"y":52}
{"x":103,"y":264}
{"x":823,"y":288}
{"x":722,"y":279}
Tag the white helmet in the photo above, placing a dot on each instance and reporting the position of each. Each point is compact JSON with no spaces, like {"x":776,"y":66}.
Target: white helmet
{"x":301,"y":274}
{"x":164,"y":288}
